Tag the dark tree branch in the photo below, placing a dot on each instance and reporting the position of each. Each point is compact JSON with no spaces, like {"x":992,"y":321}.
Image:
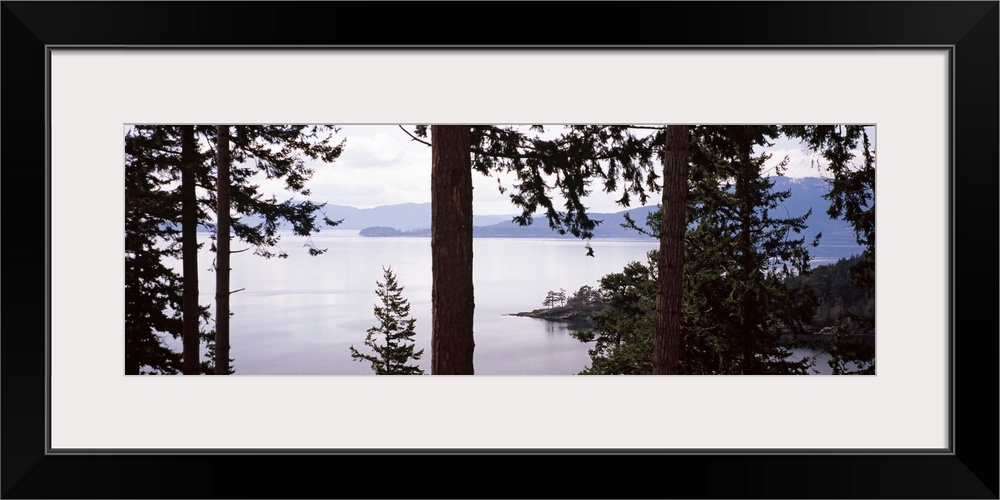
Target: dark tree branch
{"x":415,"y":138}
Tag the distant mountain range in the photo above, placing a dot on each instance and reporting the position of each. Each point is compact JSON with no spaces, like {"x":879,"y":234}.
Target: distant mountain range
{"x":414,"y":219}
{"x":405,"y":216}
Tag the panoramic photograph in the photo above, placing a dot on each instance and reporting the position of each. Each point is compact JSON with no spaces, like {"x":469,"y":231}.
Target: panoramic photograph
{"x":626,"y":249}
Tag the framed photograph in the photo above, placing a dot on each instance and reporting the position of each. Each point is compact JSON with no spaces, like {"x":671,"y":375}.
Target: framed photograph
{"x":81,"y":76}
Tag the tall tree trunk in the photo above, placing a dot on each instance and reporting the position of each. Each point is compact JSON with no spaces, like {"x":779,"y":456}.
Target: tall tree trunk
{"x":222,"y":255}
{"x":747,"y":200}
{"x":189,"y":249}
{"x":666,"y":338}
{"x":452,"y":298}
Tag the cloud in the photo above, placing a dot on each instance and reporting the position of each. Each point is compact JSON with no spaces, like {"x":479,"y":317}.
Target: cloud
{"x":366,"y":187}
{"x":803,"y":163}
{"x":378,"y":151}
{"x":800,"y":163}
{"x":382,"y":165}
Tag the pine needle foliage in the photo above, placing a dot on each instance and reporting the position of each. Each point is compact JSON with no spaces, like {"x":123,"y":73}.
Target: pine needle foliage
{"x":392,"y":340}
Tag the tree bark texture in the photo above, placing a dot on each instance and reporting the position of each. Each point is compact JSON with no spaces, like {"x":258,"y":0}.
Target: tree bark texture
{"x":189,"y":250}
{"x":747,"y":199}
{"x":667,"y":330}
{"x":452,"y":298}
{"x":222,"y":254}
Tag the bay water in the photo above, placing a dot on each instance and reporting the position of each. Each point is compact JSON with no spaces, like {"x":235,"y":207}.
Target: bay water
{"x":300,"y":315}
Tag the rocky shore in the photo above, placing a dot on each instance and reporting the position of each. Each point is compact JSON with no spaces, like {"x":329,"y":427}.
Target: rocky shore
{"x":561,"y":313}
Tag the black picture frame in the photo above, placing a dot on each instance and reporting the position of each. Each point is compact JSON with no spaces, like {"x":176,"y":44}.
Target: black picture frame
{"x":968,"y":470}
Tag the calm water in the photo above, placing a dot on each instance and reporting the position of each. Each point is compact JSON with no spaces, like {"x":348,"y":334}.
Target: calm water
{"x":300,"y":315}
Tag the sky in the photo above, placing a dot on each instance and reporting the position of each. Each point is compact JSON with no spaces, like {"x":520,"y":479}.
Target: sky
{"x":382,"y":165}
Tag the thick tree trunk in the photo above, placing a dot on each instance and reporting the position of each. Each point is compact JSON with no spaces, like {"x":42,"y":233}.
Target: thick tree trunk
{"x":747,"y":201}
{"x":451,"y":251}
{"x":222,"y":255}
{"x":189,"y":244}
{"x":666,"y":338}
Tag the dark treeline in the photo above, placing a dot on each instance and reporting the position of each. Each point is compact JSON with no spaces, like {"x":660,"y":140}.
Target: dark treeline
{"x":746,"y":280}
{"x":712,"y":299}
{"x":179,"y":178}
{"x":836,"y":290}
{"x":719,"y":302}
{"x":622,"y":327}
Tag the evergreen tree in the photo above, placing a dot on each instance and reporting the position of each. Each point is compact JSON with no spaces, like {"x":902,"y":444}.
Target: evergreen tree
{"x":177,"y":158}
{"x":152,"y":293}
{"x":623,"y":332}
{"x":192,"y":165}
{"x":669,"y":293}
{"x":749,"y":252}
{"x":852,"y":197}
{"x":550,"y":299}
{"x":575,"y":159}
{"x":452,"y":297}
{"x":222,"y":251}
{"x":586,"y":297}
{"x":152,"y":290}
{"x":278,"y":151}
{"x":736,"y":255}
{"x":392,"y":340}
{"x":836,"y":291}
{"x":163,"y":155}
{"x":155,"y":214}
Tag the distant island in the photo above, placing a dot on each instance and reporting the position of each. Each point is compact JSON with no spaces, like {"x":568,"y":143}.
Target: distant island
{"x":503,"y":230}
{"x":578,"y":308}
{"x":566,"y":314}
{"x":610,"y":226}
{"x":414,"y":220}
{"x":386,"y":232}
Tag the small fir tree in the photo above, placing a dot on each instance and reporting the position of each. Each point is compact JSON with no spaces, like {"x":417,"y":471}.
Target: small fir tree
{"x":392,"y":339}
{"x":550,"y":299}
